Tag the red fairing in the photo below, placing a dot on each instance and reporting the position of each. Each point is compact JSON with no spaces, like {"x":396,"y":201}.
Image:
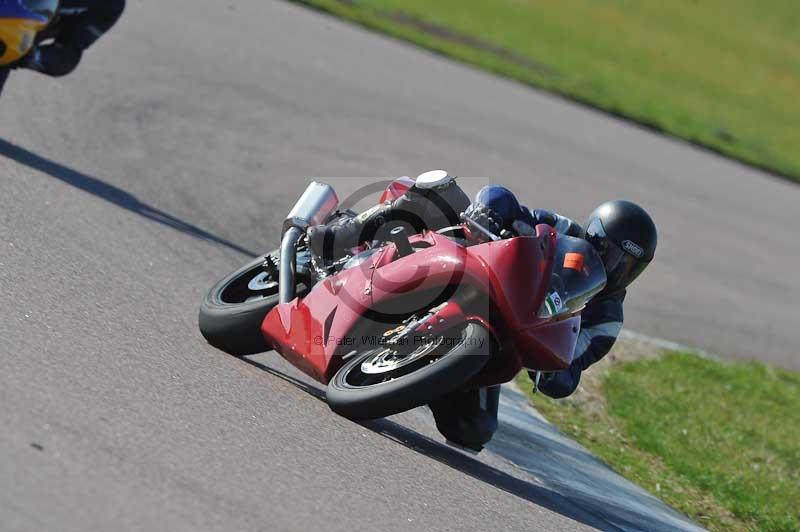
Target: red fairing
{"x":519,"y":270}
{"x":314,"y":332}
{"x":308,"y":332}
{"x":397,"y":188}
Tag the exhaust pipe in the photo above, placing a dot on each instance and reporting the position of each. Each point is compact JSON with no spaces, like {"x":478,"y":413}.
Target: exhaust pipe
{"x":314,"y":207}
{"x":288,"y":271}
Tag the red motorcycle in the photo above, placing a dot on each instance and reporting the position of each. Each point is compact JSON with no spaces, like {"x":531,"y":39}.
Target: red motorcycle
{"x":399,"y":322}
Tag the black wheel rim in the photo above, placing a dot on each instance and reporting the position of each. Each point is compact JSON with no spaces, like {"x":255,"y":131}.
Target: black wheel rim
{"x":388,"y":363}
{"x":253,"y":284}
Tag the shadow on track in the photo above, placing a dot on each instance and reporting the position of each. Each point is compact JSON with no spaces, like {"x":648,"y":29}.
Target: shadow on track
{"x":111,"y":194}
{"x":519,"y":487}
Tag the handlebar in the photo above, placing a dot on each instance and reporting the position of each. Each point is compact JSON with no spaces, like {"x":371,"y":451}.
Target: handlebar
{"x":469,"y":221}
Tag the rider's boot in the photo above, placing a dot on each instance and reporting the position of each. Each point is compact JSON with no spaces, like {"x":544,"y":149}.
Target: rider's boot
{"x":468,"y":418}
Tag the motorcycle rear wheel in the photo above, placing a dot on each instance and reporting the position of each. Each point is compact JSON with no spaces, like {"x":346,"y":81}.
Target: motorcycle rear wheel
{"x":375,"y":383}
{"x":232,"y":311}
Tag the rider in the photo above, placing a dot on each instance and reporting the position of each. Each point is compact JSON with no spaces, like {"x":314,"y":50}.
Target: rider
{"x":49,"y":36}
{"x":623,"y":234}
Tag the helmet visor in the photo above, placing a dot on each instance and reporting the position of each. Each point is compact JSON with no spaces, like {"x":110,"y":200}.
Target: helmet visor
{"x":625,"y":271}
{"x":621,"y":267}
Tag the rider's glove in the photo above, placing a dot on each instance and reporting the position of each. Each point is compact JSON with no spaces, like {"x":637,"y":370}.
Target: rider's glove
{"x":485,"y":217}
{"x":54,"y":59}
{"x":558,"y":384}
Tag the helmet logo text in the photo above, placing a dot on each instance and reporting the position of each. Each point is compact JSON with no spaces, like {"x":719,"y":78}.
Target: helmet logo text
{"x":633,"y":248}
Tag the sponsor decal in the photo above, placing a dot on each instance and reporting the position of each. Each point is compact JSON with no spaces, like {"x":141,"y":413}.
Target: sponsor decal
{"x":556,"y":298}
{"x":633,"y":248}
{"x":554,"y":302}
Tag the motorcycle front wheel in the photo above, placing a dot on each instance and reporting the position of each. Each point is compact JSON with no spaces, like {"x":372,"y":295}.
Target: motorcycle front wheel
{"x":387,"y":380}
{"x":233,"y":309}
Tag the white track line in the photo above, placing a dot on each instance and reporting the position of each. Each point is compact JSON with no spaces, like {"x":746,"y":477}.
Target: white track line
{"x":661,"y":343}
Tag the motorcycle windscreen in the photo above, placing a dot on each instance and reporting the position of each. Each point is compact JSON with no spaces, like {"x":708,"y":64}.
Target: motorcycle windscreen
{"x":578,"y":275}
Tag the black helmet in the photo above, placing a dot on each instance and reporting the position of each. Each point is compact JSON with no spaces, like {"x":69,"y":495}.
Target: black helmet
{"x":625,"y":237}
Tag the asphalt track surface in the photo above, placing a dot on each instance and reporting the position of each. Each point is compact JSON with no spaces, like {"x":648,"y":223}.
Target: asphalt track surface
{"x":129,"y":187}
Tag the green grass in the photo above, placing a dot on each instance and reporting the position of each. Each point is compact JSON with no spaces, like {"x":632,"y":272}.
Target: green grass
{"x":721,"y":73}
{"x":719,"y":441}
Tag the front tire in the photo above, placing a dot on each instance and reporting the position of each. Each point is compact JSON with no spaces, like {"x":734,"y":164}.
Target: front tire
{"x":360,"y":390}
{"x":233,"y":309}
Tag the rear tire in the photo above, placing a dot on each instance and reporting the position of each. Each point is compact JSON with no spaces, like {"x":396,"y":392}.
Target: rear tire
{"x":231,"y":312}
{"x":353,"y":394}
